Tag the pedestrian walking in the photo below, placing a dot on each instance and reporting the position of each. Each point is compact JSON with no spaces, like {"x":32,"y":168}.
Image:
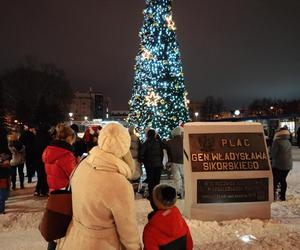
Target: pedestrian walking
{"x":175,"y":157}
{"x":17,"y":161}
{"x":281,"y":155}
{"x":151,"y":155}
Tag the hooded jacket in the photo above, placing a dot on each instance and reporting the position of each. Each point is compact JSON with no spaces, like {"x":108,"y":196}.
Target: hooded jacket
{"x":281,"y":151}
{"x":104,"y":215}
{"x":59,"y":163}
{"x":167,"y":230}
{"x":151,"y":153}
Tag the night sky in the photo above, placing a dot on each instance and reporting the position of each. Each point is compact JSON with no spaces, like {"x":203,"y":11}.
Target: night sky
{"x":235,"y":49}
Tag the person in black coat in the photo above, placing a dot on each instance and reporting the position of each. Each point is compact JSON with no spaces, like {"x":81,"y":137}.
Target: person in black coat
{"x":27,"y":138}
{"x":41,"y":140}
{"x":151,"y":155}
{"x":79,"y":145}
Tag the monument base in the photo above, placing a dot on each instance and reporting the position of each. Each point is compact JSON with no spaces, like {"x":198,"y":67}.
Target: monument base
{"x":220,"y":212}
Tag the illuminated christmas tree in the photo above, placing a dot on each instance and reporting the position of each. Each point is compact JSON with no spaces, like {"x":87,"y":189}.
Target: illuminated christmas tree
{"x":159,"y":99}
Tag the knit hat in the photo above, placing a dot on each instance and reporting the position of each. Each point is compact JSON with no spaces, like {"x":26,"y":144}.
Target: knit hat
{"x":114,"y":139}
{"x":164,"y":196}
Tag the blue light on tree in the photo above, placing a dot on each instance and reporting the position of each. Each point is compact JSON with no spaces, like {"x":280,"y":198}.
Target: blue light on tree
{"x":159,"y":99}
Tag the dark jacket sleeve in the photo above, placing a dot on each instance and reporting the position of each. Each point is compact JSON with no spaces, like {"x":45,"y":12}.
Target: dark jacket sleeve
{"x":142,"y":152}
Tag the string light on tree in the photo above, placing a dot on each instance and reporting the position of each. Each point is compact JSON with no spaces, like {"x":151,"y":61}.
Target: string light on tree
{"x":158,"y":93}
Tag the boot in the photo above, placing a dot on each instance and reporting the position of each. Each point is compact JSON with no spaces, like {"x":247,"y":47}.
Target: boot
{"x":282,"y":197}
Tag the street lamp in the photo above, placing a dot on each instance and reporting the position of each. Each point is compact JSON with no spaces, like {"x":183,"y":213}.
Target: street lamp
{"x":196,"y":115}
{"x":237,"y":112}
{"x":85,"y":118}
{"x":71,"y":117}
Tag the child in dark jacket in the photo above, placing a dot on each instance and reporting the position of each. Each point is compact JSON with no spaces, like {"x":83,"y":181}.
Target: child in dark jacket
{"x":4,"y":180}
{"x":166,"y":229}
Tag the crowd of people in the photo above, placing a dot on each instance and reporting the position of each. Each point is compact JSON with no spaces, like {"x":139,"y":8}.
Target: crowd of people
{"x":112,"y":169}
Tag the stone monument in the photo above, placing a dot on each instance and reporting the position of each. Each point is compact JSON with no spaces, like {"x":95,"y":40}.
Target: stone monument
{"x":227,"y":171}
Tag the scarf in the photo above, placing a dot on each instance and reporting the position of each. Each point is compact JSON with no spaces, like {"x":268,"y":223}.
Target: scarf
{"x":102,"y":160}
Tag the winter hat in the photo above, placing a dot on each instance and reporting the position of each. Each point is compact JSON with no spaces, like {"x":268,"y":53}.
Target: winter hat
{"x":164,"y":196}
{"x":176,"y":132}
{"x":114,"y":139}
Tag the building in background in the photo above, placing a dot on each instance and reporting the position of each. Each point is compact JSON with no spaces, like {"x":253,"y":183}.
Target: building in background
{"x":89,"y":105}
{"x":97,"y":109}
{"x":81,"y":106}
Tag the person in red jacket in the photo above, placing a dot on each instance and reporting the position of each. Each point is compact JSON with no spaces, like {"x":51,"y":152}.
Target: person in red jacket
{"x":166,"y":229}
{"x":59,"y":158}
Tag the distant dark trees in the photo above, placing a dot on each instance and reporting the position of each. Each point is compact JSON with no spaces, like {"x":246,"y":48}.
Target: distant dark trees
{"x":267,"y":106}
{"x":36,"y":93}
{"x":212,"y":106}
{"x":260,"y":106}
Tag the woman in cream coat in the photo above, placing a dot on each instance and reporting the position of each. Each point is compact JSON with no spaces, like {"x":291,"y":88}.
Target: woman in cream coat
{"x":104,"y":215}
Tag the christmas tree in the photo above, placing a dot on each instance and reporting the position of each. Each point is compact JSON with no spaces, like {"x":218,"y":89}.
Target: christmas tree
{"x":159,"y":99}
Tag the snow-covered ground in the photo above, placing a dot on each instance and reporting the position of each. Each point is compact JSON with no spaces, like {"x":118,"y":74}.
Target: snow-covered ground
{"x":18,"y":227}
